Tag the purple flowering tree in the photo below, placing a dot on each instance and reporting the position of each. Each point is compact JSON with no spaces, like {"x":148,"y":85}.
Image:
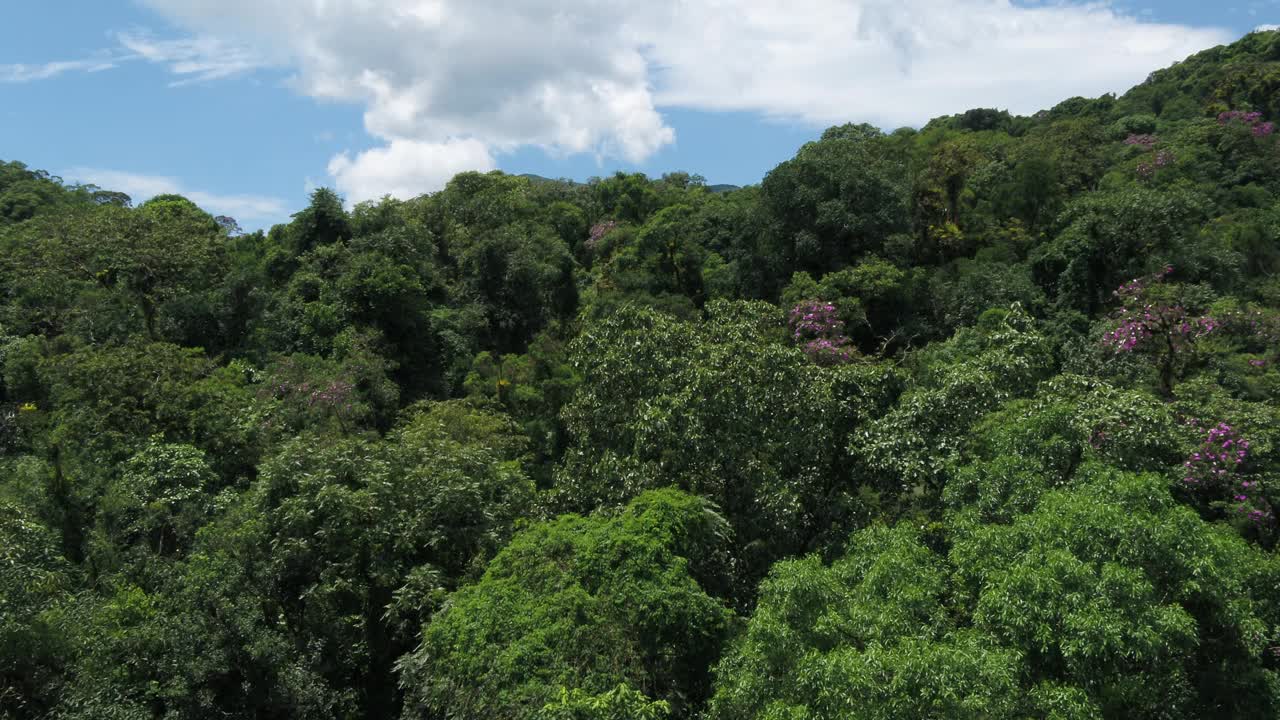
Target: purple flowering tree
{"x":598,"y":231}
{"x":306,"y":392}
{"x":1158,"y":158}
{"x":1144,"y":141}
{"x":817,"y":328}
{"x":1251,"y":120}
{"x":1215,"y":471}
{"x":1165,"y":332}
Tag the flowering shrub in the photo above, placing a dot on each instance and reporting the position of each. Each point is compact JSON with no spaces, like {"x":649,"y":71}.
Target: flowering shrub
{"x":1215,"y":469}
{"x":1248,"y":118}
{"x":820,"y":332}
{"x":1252,"y":120}
{"x":598,"y":231}
{"x":335,"y":395}
{"x":1222,"y":452}
{"x":1147,"y":170}
{"x":815,"y":319}
{"x":305,"y":392}
{"x":1159,"y":158}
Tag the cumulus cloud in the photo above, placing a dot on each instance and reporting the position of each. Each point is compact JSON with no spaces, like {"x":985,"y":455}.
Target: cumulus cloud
{"x":404,"y":167}
{"x":438,"y":77}
{"x":247,"y":209}
{"x":896,"y":62}
{"x":446,"y":82}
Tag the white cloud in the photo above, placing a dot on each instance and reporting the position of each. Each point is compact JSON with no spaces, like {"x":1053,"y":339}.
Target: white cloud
{"x":445,"y":82}
{"x":448,"y":84}
{"x":1266,"y":28}
{"x":249,"y":210}
{"x":20,"y":73}
{"x":896,"y":62}
{"x":403,"y":168}
{"x":194,"y":59}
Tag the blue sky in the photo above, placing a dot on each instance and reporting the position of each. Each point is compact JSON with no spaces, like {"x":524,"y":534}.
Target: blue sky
{"x":245,"y":106}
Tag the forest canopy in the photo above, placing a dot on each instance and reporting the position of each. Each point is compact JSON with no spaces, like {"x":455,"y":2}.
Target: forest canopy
{"x":975,"y":420}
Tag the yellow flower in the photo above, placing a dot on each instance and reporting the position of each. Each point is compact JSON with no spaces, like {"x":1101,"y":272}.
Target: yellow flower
{"x":27,"y":407}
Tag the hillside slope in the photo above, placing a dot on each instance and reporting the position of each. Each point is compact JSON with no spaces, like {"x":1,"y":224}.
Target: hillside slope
{"x":979,"y":420}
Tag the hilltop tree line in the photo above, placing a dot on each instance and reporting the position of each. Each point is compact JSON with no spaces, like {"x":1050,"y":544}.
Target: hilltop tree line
{"x":976,"y":420}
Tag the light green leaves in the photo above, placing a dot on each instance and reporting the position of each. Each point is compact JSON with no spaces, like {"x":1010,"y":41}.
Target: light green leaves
{"x":584,"y":603}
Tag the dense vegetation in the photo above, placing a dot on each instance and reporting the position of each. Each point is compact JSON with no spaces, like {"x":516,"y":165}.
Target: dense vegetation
{"x":980,"y":420}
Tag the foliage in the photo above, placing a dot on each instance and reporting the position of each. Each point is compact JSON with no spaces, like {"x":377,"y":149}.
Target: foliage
{"x":1046,"y":617}
{"x":980,"y":419}
{"x":584,"y":603}
{"x":34,"y":581}
{"x":910,"y":449}
{"x":620,"y":703}
{"x":720,"y":409}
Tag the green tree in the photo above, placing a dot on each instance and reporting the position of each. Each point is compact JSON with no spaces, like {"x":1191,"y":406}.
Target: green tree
{"x":1110,"y":238}
{"x":67,"y":269}
{"x":662,"y":259}
{"x":367,"y":536}
{"x":626,"y":197}
{"x":722,"y":409}
{"x":162,"y":497}
{"x":910,"y":451}
{"x":533,"y":388}
{"x":34,"y":579}
{"x":1108,"y":600}
{"x":584,"y":603}
{"x":323,"y":222}
{"x":523,"y":275}
{"x":839,"y":198}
